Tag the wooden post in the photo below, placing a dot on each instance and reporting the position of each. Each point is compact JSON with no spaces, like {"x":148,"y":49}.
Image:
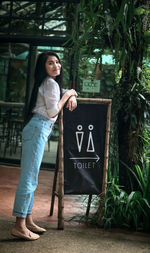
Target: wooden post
{"x":105,"y":170}
{"x":61,"y":175}
{"x":95,"y":100}
{"x":106,"y":149}
{"x":88,"y":205}
{"x":54,"y":184}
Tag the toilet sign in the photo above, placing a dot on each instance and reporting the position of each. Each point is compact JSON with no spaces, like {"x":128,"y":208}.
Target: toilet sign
{"x":84,"y":148}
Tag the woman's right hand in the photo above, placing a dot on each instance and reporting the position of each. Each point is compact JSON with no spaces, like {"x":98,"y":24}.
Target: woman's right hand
{"x":70,"y":93}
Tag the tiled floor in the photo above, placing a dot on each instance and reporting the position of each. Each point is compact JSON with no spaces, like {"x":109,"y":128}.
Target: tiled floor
{"x":9,"y":176}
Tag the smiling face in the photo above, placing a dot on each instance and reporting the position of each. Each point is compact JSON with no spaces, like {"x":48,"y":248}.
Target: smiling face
{"x":53,"y":66}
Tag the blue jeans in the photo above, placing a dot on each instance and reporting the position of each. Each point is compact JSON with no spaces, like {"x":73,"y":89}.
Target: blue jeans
{"x":34,"y":137}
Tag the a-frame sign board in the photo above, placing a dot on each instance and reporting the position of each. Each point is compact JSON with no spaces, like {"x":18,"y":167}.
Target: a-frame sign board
{"x":83,"y":149}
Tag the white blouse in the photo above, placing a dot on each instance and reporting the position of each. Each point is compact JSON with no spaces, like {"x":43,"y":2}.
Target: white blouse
{"x":48,"y":98}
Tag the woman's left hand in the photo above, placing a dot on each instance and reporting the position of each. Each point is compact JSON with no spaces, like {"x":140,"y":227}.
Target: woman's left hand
{"x":71,"y":103}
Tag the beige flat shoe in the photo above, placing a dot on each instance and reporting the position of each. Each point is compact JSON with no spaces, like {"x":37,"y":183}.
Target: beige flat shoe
{"x":36,"y":229}
{"x":30,"y":237}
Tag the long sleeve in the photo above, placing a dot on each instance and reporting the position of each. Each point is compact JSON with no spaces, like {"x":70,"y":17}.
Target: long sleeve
{"x":51,"y":96}
{"x":47,"y":99}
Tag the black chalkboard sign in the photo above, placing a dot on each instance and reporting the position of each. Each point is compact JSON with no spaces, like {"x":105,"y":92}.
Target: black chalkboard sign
{"x":84,"y":148}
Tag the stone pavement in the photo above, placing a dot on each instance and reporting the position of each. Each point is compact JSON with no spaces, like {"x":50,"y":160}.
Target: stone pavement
{"x":75,"y":238}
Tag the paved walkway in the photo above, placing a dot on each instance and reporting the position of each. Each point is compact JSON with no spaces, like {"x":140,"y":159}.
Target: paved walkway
{"x":75,"y":238}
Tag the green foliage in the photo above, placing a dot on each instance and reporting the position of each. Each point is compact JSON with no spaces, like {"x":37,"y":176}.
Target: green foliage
{"x":119,"y":208}
{"x":132,"y":210}
{"x":120,"y":26}
{"x":146,"y":75}
{"x":133,"y":101}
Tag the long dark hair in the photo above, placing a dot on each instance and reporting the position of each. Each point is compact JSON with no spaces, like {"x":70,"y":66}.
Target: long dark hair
{"x":39,"y":75}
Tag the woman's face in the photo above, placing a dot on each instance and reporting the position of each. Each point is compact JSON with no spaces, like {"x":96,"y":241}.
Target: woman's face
{"x":53,"y":66}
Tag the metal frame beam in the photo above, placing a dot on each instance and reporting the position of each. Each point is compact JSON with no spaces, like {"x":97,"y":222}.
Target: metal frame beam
{"x":35,"y":40}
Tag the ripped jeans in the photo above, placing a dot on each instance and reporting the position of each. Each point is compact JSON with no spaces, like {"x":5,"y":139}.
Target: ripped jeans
{"x":34,"y":137}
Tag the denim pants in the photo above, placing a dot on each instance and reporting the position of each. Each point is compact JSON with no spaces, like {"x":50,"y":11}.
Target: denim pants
{"x":34,"y":137}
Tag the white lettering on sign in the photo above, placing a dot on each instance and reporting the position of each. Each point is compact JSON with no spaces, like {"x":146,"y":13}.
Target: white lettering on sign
{"x":84,"y":165}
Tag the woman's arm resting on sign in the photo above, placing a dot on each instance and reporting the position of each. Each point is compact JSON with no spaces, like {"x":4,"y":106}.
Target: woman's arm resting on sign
{"x":72,"y":103}
{"x":65,"y":98}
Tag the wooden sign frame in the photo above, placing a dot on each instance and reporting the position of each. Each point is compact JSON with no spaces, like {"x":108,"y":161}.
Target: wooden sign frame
{"x":60,"y":193}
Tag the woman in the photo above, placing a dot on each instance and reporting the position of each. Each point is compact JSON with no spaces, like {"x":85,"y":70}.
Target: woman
{"x":47,"y":100}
